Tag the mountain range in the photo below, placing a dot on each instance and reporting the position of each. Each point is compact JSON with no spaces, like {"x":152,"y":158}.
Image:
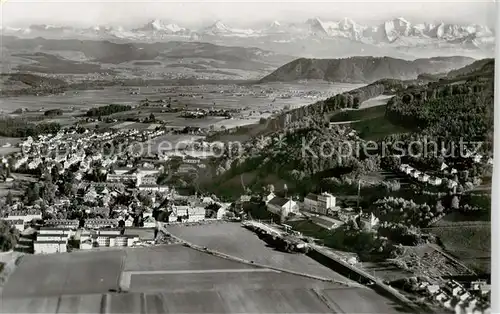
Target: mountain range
{"x":397,"y":35}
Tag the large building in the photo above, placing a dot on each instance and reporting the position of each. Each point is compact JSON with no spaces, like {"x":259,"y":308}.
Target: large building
{"x":51,"y":240}
{"x":282,"y":206}
{"x":25,"y":215}
{"x":50,"y":246}
{"x":100,"y":223}
{"x":62,"y":223}
{"x":319,"y":203}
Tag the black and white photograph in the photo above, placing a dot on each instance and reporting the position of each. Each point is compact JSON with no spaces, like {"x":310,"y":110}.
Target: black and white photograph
{"x":204,"y":157}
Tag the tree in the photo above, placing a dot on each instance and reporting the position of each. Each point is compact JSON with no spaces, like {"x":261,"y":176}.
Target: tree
{"x":8,"y":236}
{"x":33,"y":193}
{"x":9,"y":199}
{"x":455,"y":202}
{"x":439,"y":207}
{"x":270,"y":188}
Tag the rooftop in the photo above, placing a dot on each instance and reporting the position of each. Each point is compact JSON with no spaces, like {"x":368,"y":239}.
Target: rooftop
{"x":278,"y":201}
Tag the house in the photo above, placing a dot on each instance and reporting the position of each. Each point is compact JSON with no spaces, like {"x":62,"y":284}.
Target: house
{"x":245,"y":198}
{"x":191,"y":160}
{"x":222,"y":210}
{"x":432,"y":289}
{"x":403,"y":167}
{"x":149,"y":222}
{"x":282,"y":207}
{"x":422,"y":285}
{"x":186,"y":168}
{"x":443,"y":166}
{"x":269,"y":197}
{"x":347,"y":214}
{"x":369,"y":220}
{"x":415,"y":173}
{"x":441,"y":297}
{"x":408,"y":169}
{"x":435,"y":181}
{"x":90,"y":196}
{"x":129,"y":222}
{"x":146,"y":180}
{"x":480,"y":286}
{"x":464,"y":295}
{"x":454,"y":288}
{"x":452,"y":184}
{"x":423,"y":177}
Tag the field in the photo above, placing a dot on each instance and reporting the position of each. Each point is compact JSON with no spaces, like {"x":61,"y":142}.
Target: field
{"x":250,"y":247}
{"x":172,"y":279}
{"x":471,"y":244}
{"x":78,"y":273}
{"x":369,"y":121}
{"x":201,"y":96}
{"x":375,"y":101}
{"x":360,"y":114}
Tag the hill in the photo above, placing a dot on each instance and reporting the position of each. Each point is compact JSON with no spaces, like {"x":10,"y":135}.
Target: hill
{"x":483,"y":66}
{"x":87,"y":56}
{"x":363,"y":69}
{"x":443,"y":110}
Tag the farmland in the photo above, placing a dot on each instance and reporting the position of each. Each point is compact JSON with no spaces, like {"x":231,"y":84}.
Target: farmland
{"x":202,"y":96}
{"x":173,"y":279}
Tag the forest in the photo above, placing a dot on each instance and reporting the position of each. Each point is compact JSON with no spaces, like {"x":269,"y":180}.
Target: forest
{"x":18,"y":127}
{"x":107,"y":110}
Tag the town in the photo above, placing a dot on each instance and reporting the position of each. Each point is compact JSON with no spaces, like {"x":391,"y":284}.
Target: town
{"x":74,"y":192}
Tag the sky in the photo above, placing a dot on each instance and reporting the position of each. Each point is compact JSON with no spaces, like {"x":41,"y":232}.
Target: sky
{"x":238,"y":13}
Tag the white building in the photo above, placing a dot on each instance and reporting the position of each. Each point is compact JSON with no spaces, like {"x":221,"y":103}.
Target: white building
{"x":25,"y":215}
{"x":50,"y":246}
{"x":282,"y":207}
{"x":435,"y":181}
{"x":319,"y":203}
{"x":423,"y":177}
{"x":153,"y":188}
{"x":100,"y":223}
{"x":62,"y":223}
{"x":149,"y":222}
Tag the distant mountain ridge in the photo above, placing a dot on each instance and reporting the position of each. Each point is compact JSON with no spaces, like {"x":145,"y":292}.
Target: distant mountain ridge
{"x":394,"y":33}
{"x":363,"y":69}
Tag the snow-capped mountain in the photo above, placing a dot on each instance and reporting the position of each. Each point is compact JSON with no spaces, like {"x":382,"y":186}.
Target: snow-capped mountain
{"x":221,"y":29}
{"x":397,"y":33}
{"x":160,"y":26}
